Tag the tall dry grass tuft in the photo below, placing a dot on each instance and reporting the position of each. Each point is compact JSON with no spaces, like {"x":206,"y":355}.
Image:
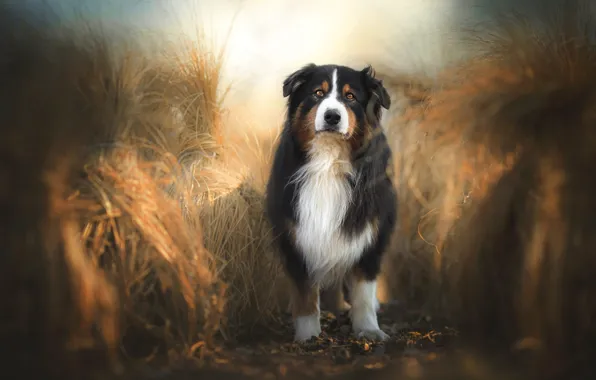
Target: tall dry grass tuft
{"x":532,"y":252}
{"x":144,"y":226}
{"x":408,"y":271}
{"x":238,"y":233}
{"x":190,"y":82}
{"x":432,"y":194}
{"x":514,"y":128}
{"x":228,"y":189}
{"x":150,"y":242}
{"x":101,"y":221}
{"x":55,"y":304}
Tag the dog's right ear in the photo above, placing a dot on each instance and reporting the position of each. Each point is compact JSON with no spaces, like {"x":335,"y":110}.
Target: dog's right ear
{"x":297,"y":78}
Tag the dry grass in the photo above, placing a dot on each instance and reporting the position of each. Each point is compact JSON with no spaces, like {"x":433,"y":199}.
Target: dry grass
{"x":435,"y":179}
{"x":511,"y":133}
{"x":152,"y":247}
{"x":408,"y":271}
{"x":189,"y":81}
{"x":238,"y":232}
{"x":99,"y":177}
{"x":52,"y":294}
{"x":136,"y":180}
{"x":142,"y":218}
{"x":229,"y":191}
{"x":239,"y":235}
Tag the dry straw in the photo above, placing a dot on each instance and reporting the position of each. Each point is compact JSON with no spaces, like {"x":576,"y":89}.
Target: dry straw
{"x":512,"y":128}
{"x":155,"y":241}
{"x":104,"y":170}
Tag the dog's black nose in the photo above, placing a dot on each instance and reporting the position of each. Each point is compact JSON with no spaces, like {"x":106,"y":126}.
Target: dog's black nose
{"x":332,"y":117}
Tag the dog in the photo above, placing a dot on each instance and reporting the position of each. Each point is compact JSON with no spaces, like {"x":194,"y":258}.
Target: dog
{"x":330,"y":197}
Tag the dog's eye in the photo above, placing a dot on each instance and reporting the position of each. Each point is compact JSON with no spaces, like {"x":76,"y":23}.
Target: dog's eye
{"x":319,"y":93}
{"x":350,"y":96}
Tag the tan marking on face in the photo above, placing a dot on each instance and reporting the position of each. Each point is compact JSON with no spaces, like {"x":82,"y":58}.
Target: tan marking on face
{"x":325,"y":86}
{"x":346,"y":89}
{"x":304,"y":127}
{"x":361,"y":136}
{"x":305,"y":301}
{"x":352,"y":124}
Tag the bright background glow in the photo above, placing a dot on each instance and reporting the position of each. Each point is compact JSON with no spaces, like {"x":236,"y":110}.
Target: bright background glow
{"x":271,"y":38}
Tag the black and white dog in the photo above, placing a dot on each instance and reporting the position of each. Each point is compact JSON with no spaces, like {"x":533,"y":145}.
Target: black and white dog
{"x":330,"y":196}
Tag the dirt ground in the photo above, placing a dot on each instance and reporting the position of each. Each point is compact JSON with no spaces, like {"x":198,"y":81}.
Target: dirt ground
{"x":416,"y":341}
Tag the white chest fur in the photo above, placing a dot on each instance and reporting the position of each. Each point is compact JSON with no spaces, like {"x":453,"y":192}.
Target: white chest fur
{"x":322,"y":203}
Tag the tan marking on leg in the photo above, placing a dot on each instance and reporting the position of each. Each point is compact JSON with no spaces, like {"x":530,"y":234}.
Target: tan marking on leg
{"x":332,"y":299}
{"x":306,"y":313}
{"x":306,"y":302}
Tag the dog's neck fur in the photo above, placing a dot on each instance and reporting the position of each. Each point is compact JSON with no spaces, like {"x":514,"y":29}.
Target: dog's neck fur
{"x":328,"y":155}
{"x":323,"y":199}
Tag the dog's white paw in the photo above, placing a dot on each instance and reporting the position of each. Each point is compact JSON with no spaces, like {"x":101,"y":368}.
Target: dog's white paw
{"x":374,"y":334}
{"x":307,"y":327}
{"x":303,"y":336}
{"x":364,"y":311}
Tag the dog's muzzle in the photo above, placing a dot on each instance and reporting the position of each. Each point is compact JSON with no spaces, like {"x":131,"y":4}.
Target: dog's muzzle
{"x":332,"y":121}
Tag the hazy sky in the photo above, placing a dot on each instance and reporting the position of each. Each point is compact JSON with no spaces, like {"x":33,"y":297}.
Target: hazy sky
{"x":271,"y":38}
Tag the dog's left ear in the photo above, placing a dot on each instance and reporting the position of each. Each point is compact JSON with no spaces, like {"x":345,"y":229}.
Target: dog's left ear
{"x":375,"y":87}
{"x":297,"y":78}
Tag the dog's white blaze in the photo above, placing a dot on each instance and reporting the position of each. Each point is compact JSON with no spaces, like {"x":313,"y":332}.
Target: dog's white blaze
{"x":364,"y":309}
{"x":331,"y":102}
{"x":307,"y":326}
{"x":322,"y":203}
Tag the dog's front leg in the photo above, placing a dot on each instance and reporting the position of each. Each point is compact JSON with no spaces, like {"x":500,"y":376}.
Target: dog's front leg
{"x":363,"y":295}
{"x":306,"y":312}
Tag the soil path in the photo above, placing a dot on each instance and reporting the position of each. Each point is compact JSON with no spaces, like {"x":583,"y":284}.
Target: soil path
{"x":415,"y":342}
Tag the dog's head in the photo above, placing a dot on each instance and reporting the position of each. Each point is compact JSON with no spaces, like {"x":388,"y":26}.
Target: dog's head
{"x":334,"y":99}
